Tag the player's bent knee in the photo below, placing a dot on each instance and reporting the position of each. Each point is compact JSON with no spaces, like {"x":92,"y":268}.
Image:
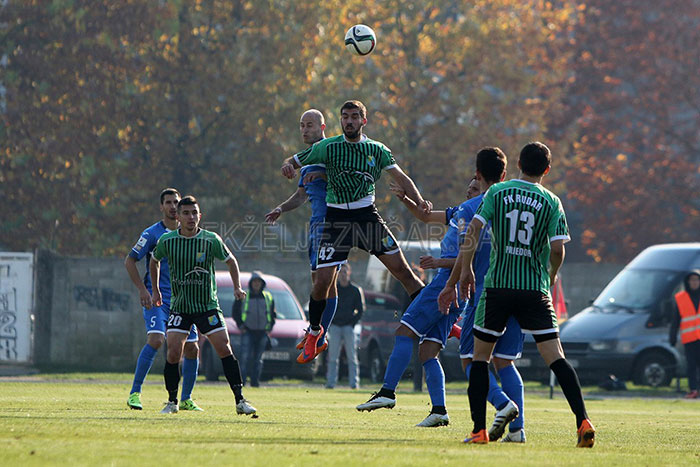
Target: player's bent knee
{"x":501,"y":363}
{"x":405,"y":331}
{"x":155,"y":340}
{"x":428,"y":350}
{"x":191,"y":350}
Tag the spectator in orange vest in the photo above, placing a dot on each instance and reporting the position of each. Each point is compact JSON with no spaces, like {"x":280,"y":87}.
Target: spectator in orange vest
{"x":688,"y":321}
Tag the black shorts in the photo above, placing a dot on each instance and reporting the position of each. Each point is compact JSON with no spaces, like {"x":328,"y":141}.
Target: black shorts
{"x":344,"y":229}
{"x":531,"y":308}
{"x":208,"y":322}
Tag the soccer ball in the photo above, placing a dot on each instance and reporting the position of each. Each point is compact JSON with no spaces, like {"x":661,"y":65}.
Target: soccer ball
{"x":360,"y":39}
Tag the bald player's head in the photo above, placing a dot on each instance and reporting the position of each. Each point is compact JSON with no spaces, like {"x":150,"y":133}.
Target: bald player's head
{"x":311,"y":126}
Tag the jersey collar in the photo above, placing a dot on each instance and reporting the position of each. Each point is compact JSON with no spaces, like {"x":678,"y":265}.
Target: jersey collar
{"x":363,"y":138}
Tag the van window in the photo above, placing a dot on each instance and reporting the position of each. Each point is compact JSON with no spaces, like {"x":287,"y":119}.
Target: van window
{"x":637,"y":288}
{"x":285,"y":306}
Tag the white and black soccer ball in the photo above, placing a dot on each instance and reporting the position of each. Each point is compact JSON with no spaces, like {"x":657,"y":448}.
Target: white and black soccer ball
{"x":360,"y":39}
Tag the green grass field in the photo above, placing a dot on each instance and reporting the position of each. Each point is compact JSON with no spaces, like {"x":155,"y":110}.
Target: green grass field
{"x":83,"y":419}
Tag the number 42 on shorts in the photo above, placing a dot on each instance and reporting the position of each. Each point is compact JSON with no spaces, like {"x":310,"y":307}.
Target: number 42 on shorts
{"x":326,"y":252}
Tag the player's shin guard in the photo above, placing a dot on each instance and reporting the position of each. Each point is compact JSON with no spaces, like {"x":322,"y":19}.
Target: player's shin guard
{"x":398,"y":362}
{"x":143,"y":366}
{"x":478,"y":389}
{"x":190,"y":366}
{"x":513,"y":387}
{"x":316,"y":308}
{"x":233,"y":375}
{"x":571,"y":387}
{"x":435,"y":381}
{"x":171,"y":373}
{"x":327,"y":318}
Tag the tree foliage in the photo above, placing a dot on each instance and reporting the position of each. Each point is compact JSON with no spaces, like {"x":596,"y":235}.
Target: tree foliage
{"x":106,"y":103}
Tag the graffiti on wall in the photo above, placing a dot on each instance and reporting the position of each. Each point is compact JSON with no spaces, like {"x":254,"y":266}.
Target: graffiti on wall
{"x":102,"y":298}
{"x":8,"y":317}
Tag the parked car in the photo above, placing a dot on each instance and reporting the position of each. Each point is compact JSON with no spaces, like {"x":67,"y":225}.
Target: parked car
{"x":625,"y":330}
{"x":379,"y":322}
{"x":280,"y":359}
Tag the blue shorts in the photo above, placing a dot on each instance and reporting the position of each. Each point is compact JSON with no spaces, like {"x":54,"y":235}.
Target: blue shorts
{"x":156,"y":319}
{"x":509,"y":346}
{"x":423,"y":316}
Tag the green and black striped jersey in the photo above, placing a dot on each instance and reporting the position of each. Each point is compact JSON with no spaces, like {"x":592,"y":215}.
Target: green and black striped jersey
{"x":525,"y":217}
{"x":352,"y":168}
{"x":192,"y":273}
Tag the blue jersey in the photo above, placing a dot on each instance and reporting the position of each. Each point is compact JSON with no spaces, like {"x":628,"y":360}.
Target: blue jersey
{"x":483,"y":249}
{"x":144,"y":247}
{"x":315,"y":190}
{"x":449,"y":246}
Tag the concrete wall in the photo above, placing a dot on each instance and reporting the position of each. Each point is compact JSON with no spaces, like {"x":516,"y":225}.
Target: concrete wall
{"x":88,"y":314}
{"x":95,"y":317}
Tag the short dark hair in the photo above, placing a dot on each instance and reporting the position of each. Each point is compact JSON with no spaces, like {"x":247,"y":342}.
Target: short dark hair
{"x":188,"y":200}
{"x":491,"y":163}
{"x":168,"y":191}
{"x":535,"y":157}
{"x":355,"y":105}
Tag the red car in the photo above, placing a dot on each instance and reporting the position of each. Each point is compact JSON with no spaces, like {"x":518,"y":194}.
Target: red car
{"x":280,"y":359}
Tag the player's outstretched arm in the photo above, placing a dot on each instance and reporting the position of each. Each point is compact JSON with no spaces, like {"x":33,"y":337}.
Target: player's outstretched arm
{"x":233,"y":270}
{"x":405,"y":182}
{"x":437,"y":217}
{"x":132,"y":270}
{"x":297,"y":198}
{"x":154,"y":269}
{"x":556,"y":258}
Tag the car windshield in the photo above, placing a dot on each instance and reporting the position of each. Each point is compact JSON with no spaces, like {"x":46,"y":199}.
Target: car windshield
{"x":285,"y":306}
{"x":636,"y":289}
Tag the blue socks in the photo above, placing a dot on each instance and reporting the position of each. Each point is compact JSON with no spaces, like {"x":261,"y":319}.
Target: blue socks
{"x":189,"y":376}
{"x":398,"y":362}
{"x":327,"y":317}
{"x":435,"y":380}
{"x":143,"y":365}
{"x":513,"y":386}
{"x":496,"y":396}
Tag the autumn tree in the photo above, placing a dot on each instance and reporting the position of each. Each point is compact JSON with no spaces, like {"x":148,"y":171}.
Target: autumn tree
{"x":633,"y":177}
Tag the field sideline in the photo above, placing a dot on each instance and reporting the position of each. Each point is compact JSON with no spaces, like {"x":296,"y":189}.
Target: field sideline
{"x":77,"y":420}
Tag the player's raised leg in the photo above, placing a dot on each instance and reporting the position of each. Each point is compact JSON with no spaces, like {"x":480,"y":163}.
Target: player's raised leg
{"x":325,"y":276}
